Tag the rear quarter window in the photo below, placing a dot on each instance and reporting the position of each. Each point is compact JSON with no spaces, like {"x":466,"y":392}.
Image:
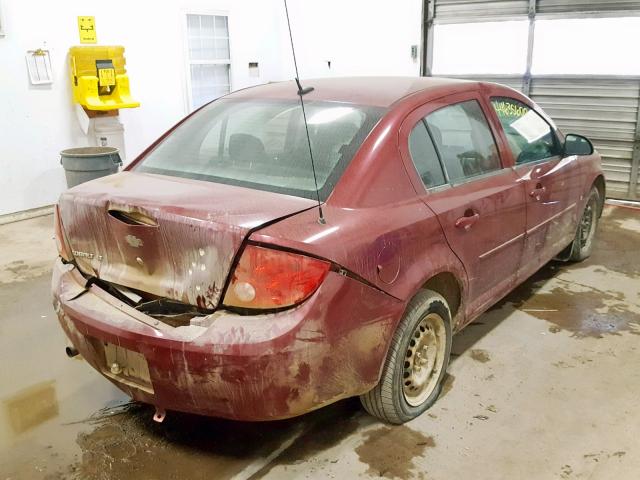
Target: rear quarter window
{"x":464,"y":140}
{"x":424,"y":156}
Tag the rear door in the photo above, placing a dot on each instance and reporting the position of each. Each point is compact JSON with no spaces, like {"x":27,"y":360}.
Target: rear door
{"x":479,"y":203}
{"x":552,"y":183}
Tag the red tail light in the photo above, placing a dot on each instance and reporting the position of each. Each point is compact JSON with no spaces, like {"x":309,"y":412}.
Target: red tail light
{"x":61,"y":239}
{"x":266,"y":278}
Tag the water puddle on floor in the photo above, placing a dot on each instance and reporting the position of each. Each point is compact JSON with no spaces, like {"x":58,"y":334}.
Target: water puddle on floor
{"x":585,"y":313}
{"x":31,"y":406}
{"x":390,"y":451}
{"x":577,"y":297}
{"x":617,"y":246}
{"x":44,"y":396}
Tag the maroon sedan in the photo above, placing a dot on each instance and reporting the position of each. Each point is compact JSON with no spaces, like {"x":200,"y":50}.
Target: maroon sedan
{"x":200,"y":279}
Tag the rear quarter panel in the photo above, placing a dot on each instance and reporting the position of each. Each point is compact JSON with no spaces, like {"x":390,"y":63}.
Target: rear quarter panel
{"x":396,"y":248}
{"x":376,"y":226}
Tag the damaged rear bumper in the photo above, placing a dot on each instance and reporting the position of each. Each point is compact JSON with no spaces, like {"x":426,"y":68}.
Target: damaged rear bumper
{"x":257,"y":367}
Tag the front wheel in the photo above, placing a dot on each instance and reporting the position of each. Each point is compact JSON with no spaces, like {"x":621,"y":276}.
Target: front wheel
{"x":582,"y":244}
{"x":416,"y":362}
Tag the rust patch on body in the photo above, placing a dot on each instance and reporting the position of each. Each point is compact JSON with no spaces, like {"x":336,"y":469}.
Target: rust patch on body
{"x":480,"y":355}
{"x":304,"y":371}
{"x":390,"y":451}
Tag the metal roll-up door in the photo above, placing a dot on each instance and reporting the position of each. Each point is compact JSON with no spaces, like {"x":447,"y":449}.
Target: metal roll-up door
{"x":603,"y":109}
{"x":449,"y":11}
{"x":478,"y":10}
{"x":601,"y":7}
{"x":513,"y":81}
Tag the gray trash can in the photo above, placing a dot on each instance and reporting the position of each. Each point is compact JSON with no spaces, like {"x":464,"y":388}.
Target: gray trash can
{"x":87,"y":163}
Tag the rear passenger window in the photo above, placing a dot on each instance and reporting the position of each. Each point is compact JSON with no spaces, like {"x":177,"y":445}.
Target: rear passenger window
{"x":530,"y":137}
{"x":424,"y":156}
{"x":463,"y":140}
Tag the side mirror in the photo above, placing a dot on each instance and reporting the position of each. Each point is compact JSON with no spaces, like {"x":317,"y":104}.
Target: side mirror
{"x":577,"y":145}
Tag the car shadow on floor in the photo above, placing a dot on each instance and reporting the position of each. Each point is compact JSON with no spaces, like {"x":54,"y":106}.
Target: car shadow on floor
{"x":482,"y":326}
{"x":127,"y":442}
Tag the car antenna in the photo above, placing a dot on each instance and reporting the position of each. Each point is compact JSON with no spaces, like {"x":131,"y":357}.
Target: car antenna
{"x":301,"y":92}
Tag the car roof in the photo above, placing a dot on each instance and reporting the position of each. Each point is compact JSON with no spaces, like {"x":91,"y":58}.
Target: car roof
{"x":373,"y":91}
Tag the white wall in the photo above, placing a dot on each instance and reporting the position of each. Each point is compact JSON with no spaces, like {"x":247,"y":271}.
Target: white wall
{"x":36,"y":122}
{"x":359,"y":37}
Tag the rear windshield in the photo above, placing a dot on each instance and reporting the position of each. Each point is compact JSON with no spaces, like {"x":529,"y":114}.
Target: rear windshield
{"x":262,"y":144}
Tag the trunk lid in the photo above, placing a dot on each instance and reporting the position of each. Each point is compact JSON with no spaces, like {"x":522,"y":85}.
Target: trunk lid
{"x":166,"y":236}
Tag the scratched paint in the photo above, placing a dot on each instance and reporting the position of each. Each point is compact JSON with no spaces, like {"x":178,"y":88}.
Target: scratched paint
{"x":188,"y":254}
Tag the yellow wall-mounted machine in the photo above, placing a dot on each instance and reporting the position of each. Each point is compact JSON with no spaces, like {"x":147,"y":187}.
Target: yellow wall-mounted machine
{"x":99,"y":79}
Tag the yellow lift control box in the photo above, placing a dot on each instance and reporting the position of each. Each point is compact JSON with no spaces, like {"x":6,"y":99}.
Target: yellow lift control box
{"x":99,"y":79}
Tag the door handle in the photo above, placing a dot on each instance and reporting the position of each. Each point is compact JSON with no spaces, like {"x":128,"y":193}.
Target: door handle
{"x":537,"y":192}
{"x":467,"y":221}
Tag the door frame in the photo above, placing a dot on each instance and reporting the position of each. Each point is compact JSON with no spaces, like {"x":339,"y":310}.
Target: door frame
{"x":472,"y":308}
{"x":412,"y":118}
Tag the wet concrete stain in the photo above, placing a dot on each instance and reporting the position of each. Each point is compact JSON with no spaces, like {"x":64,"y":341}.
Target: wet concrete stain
{"x":390,"y":451}
{"x":584,"y":314}
{"x":566,"y":471}
{"x":480,"y":355}
{"x":616,"y":246}
{"x":19,"y":271}
{"x":32,"y":406}
{"x":22,"y":258}
{"x":597,"y":457}
{"x":587,"y":312}
{"x":127,"y":443}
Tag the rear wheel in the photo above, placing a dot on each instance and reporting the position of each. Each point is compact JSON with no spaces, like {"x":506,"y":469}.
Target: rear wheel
{"x":416,"y":362}
{"x":582,"y":244}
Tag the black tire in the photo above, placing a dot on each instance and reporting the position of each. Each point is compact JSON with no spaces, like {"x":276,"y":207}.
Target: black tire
{"x":583,"y":242}
{"x":390,"y":399}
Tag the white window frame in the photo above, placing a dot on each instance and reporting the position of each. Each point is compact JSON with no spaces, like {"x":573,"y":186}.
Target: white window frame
{"x":2,"y":29}
{"x":188,"y":62}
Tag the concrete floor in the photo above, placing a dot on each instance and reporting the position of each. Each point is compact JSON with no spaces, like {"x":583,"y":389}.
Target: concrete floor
{"x":545,"y":385}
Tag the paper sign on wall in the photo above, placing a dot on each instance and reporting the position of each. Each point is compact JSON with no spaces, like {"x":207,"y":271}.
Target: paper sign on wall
{"x":87,"y":29}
